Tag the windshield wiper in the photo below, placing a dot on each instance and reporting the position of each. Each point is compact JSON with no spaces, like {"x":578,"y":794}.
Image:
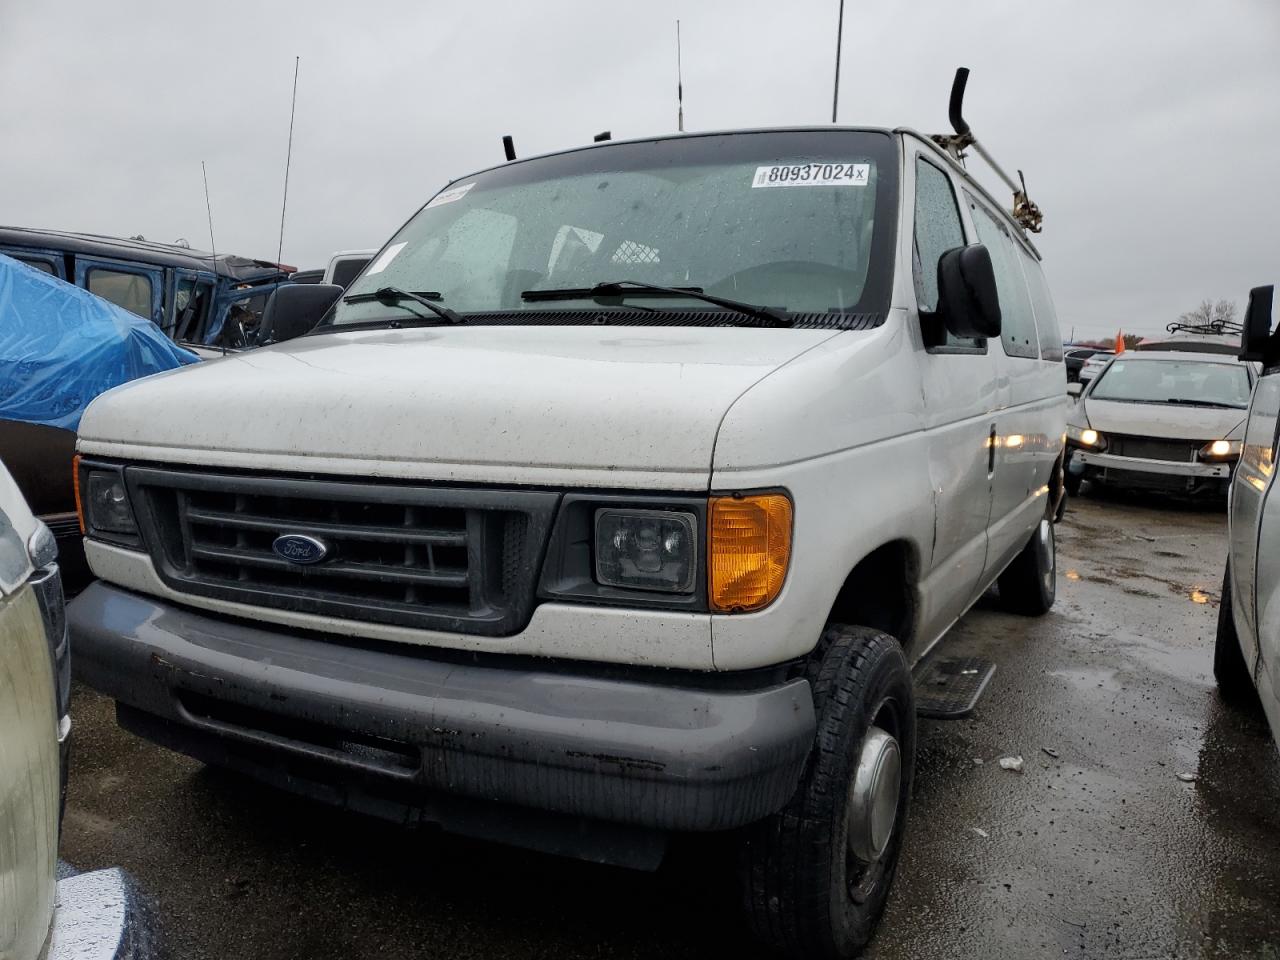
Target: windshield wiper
{"x":636,"y":288}
{"x":1204,"y":403}
{"x":395,"y":297}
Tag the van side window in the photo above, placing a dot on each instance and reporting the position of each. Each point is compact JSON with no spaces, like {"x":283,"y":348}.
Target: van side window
{"x":937,"y":230}
{"x":1018,"y":325}
{"x":43,"y":265}
{"x":1042,"y":305}
{"x":129,"y":290}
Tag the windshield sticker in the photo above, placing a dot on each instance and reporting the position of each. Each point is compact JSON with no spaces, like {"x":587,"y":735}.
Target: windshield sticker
{"x":450,"y":195}
{"x":388,"y":255}
{"x":812,"y":175}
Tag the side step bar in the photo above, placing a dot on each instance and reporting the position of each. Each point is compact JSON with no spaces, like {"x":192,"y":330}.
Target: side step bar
{"x":948,"y":688}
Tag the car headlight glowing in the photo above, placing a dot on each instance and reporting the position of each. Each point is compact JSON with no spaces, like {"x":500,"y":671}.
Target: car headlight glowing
{"x":1086,"y":437}
{"x":1221,"y":450}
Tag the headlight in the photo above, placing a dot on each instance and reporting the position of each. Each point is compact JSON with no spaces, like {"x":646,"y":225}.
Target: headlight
{"x":1086,"y":437}
{"x":1221,"y":450}
{"x":104,"y":502}
{"x":749,"y":539}
{"x":646,"y":550}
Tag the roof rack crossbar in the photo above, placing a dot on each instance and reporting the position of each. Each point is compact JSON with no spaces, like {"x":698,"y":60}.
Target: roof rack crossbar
{"x":1026,"y":213}
{"x":1212,"y":328}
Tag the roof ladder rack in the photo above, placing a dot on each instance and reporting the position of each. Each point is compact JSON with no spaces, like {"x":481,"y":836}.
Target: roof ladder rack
{"x":1026,"y":213}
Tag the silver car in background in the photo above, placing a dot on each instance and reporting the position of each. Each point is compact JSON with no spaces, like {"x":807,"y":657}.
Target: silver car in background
{"x":1093,"y":365}
{"x":1169,"y":422}
{"x":92,"y":916}
{"x":1247,"y":653}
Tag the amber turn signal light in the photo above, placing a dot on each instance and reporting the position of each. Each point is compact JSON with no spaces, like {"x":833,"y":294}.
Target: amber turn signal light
{"x":749,"y":542}
{"x":75,"y":485}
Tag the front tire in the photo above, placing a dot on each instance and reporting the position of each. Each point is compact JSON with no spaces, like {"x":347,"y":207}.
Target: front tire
{"x":1235,"y":685}
{"x":816,"y":876}
{"x":1029,"y":585}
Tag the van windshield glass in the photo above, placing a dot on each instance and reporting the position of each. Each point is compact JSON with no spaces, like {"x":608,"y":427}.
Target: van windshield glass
{"x":802,"y":222}
{"x":1194,"y":382}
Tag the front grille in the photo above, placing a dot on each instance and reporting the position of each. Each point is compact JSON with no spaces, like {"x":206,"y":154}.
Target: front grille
{"x":462,"y":560}
{"x":1153,"y":448}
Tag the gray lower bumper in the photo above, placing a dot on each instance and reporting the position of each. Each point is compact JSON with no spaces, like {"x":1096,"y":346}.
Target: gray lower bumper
{"x":527,"y":733}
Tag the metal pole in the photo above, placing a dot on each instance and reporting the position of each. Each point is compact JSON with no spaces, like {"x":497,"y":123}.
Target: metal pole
{"x":835,"y":93}
{"x":284,"y":202}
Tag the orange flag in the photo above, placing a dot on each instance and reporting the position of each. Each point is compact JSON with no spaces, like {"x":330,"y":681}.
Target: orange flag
{"x":1119,"y":341}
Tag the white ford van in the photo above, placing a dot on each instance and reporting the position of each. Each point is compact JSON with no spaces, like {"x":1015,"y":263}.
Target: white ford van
{"x":620,"y":496}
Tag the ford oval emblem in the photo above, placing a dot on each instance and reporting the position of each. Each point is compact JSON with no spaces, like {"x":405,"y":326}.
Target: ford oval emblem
{"x":300,"y":548}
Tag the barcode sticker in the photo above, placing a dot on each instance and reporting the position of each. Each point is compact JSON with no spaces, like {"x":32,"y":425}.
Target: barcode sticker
{"x":450,"y":195}
{"x":812,"y":175}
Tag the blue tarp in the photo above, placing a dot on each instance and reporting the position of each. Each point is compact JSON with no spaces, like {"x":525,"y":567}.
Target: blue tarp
{"x":61,"y":346}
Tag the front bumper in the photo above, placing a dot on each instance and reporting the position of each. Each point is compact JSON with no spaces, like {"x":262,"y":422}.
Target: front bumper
{"x":1174,"y":476}
{"x":398,"y":730}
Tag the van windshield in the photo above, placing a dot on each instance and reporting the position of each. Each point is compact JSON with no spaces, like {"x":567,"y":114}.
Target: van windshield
{"x":1194,"y":382}
{"x":800,"y":221}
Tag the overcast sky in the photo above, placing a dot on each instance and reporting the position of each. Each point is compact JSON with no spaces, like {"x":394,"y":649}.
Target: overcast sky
{"x":1147,"y":130}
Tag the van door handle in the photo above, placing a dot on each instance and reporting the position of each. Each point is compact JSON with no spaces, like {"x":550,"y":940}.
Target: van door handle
{"x":991,"y":451}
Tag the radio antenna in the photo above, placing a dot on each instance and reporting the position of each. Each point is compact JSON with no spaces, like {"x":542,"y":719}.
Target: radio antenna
{"x":679,"y":84}
{"x":181,"y":332}
{"x":835,"y":92}
{"x":209,"y":210}
{"x":288,"y":157}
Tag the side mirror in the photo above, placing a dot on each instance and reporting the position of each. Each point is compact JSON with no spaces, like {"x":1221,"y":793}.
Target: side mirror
{"x":294,"y":309}
{"x":967,"y":296}
{"x":1256,"y":335}
{"x":1075,"y":389}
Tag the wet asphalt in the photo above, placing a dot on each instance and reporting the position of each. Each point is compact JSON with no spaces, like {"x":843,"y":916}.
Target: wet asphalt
{"x":1096,"y":849}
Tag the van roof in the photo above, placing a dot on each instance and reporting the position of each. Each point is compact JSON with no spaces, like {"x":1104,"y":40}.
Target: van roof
{"x":140,"y":251}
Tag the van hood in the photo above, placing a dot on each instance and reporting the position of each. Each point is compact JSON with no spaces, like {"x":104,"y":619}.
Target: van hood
{"x":620,"y":407}
{"x":1165,"y":420}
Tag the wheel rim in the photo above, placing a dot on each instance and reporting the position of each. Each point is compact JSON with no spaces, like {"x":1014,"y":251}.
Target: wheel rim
{"x":873,"y":800}
{"x":875,"y":793}
{"x":1048,"y":555}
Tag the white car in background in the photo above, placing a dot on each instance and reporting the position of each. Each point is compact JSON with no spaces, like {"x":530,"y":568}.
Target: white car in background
{"x":1247,"y":653}
{"x":1165,"y":421}
{"x":1094,"y":365}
